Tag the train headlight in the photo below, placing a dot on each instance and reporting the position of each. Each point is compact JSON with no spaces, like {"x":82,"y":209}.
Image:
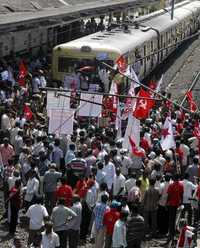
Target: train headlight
{"x":86,"y":49}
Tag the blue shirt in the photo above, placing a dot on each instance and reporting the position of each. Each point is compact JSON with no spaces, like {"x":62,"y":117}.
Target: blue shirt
{"x":69,"y":156}
{"x":99,"y":212}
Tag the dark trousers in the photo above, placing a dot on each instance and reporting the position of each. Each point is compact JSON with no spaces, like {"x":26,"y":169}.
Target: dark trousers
{"x":63,"y":238}
{"x":135,"y":244}
{"x":172,"y":221}
{"x":73,"y":238}
{"x":85,"y":223}
{"x":163,"y":219}
{"x":13,"y":218}
{"x":150,"y":221}
{"x":187,"y":209}
{"x":6,"y":195}
{"x":108,"y":241}
{"x":50,"y":201}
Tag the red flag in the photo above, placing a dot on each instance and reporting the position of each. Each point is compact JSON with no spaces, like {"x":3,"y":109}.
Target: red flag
{"x":28,"y":114}
{"x":152,"y":85}
{"x":22,"y":74}
{"x":192,"y":104}
{"x":143,"y":106}
{"x":122,"y":64}
{"x":138,"y":152}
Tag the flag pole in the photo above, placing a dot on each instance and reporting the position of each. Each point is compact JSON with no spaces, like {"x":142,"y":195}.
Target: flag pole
{"x":172,"y":9}
{"x":191,"y":87}
{"x":147,"y":88}
{"x":95,"y":93}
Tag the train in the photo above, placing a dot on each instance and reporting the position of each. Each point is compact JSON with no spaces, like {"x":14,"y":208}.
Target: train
{"x":144,"y":42}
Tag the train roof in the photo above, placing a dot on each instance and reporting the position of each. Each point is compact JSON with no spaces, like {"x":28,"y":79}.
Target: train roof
{"x":121,"y":42}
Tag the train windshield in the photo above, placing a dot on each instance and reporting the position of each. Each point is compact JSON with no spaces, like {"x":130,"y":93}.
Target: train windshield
{"x":88,"y":73}
{"x":69,"y":65}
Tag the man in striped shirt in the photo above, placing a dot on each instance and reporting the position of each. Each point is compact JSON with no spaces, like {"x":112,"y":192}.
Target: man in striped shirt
{"x":135,"y":228}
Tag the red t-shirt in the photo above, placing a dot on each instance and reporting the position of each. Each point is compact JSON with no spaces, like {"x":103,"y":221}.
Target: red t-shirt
{"x":109,"y":219}
{"x":80,"y":185}
{"x":198,"y":192}
{"x":15,"y":198}
{"x":144,"y":144}
{"x":65,"y":191}
{"x":175,"y":194}
{"x":179,"y":127}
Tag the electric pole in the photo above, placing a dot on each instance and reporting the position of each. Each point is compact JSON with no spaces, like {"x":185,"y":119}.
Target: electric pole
{"x":172,"y":9}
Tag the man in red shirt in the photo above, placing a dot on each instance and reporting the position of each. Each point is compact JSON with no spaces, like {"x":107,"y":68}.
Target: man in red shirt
{"x":174,"y":200}
{"x":110,"y":217}
{"x":15,"y":205}
{"x":64,"y":191}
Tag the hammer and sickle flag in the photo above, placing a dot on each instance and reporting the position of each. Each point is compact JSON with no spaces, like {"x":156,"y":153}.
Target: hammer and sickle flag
{"x":143,"y":105}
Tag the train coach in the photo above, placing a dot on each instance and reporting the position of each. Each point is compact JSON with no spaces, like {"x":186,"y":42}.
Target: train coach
{"x":144,"y":43}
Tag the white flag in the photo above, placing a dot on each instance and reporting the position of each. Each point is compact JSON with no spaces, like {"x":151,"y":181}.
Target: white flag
{"x":159,"y":84}
{"x":118,"y":122}
{"x":58,"y":102}
{"x":167,"y":140}
{"x":131,"y":74}
{"x":132,"y":130}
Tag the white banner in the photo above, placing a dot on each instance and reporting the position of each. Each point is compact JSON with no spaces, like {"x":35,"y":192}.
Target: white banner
{"x":71,"y":82}
{"x":60,"y":102}
{"x":61,"y":121}
{"x":90,"y":109}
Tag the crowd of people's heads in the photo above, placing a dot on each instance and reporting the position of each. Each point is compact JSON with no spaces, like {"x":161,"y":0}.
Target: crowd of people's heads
{"x":92,"y":165}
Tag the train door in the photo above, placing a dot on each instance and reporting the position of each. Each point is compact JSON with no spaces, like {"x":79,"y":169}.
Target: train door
{"x":154,"y":52}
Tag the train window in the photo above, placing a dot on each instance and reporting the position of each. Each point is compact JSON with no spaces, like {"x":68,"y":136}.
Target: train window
{"x":151,"y":46}
{"x":145,"y":50}
{"x":166,"y":41}
{"x":66,"y":64}
{"x":69,"y":64}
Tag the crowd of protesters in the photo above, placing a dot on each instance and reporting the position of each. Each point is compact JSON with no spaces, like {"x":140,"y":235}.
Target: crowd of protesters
{"x":87,"y":187}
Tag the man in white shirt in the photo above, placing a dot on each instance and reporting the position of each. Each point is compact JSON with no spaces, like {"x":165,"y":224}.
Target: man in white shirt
{"x":130,"y":182}
{"x":18,"y":142}
{"x":119,"y":233}
{"x":188,"y":189}
{"x":49,"y":238}
{"x":100,"y":176}
{"x":35,"y":83}
{"x":13,"y":178}
{"x":5,"y":121}
{"x":36,"y":213}
{"x":186,"y":152}
{"x":32,"y":188}
{"x":163,"y":212}
{"x":125,"y":162}
{"x":109,"y":170}
{"x":118,"y":183}
{"x":61,"y":215}
{"x":13,"y":132}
